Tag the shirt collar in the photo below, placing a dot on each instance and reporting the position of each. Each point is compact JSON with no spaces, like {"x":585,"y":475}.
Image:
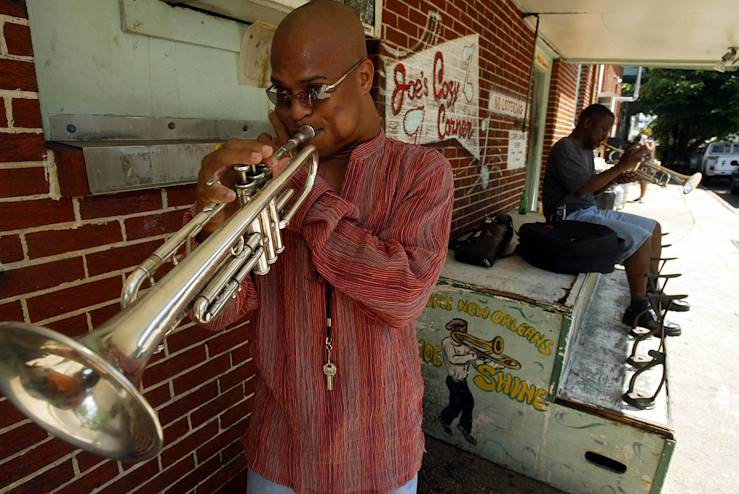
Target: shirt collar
{"x":368,"y":148}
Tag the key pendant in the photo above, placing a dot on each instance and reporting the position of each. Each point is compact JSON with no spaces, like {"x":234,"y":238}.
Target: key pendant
{"x":330,"y":370}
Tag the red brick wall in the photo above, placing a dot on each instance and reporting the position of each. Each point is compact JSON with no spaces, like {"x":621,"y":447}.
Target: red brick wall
{"x":587,"y":84}
{"x":612,"y":85}
{"x":64,"y":260}
{"x":560,"y":108}
{"x":567,"y":100}
{"x":561,"y":105}
{"x":506,"y":45}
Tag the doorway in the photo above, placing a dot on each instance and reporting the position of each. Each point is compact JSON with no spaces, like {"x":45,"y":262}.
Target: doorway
{"x":539,"y":100}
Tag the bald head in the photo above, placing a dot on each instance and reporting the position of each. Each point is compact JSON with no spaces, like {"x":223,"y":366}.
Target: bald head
{"x":324,"y":27}
{"x":318,"y":45}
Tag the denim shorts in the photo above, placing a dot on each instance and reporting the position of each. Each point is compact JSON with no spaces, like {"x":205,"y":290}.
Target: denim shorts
{"x":634,"y":229}
{"x":256,"y":484}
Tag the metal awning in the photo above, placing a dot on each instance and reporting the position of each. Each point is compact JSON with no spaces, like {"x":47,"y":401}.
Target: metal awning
{"x":657,"y":33}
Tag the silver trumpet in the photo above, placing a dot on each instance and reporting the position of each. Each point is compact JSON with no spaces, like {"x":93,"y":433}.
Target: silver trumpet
{"x":651,"y":171}
{"x":85,"y":391}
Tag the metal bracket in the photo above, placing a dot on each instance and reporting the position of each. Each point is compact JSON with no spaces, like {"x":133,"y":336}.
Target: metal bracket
{"x":128,"y":153}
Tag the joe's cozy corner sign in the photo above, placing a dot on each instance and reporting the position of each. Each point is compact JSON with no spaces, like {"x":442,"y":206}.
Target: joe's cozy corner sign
{"x":433,"y":95}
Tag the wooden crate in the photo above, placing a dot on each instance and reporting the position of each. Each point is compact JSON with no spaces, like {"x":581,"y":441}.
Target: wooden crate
{"x":547,"y":387}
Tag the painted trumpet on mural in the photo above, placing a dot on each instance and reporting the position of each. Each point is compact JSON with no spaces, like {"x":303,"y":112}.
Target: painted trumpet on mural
{"x":487,"y":350}
{"x":84,"y":391}
{"x":651,"y":171}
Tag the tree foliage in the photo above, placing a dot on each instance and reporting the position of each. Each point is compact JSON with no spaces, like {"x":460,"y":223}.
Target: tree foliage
{"x":691,"y":106}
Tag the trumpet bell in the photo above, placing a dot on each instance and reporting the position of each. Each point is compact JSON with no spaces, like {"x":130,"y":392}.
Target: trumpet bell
{"x":692,"y":183}
{"x":655,"y":173}
{"x":75,"y":394}
{"x":652,"y":171}
{"x":85,"y":391}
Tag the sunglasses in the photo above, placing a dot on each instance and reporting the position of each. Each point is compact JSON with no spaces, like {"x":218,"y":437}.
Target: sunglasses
{"x":318,"y":92}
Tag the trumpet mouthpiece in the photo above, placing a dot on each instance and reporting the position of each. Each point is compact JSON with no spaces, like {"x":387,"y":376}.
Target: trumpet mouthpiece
{"x":303,"y":135}
{"x":306,"y":133}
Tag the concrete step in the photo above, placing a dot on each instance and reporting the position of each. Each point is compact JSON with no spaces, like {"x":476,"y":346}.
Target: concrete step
{"x":596,"y":373}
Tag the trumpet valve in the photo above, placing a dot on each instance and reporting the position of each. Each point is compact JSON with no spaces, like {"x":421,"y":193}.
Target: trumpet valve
{"x":274,"y":222}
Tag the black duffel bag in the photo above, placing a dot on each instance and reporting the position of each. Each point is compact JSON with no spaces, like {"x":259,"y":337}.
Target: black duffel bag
{"x":570,"y":247}
{"x":485,"y":244}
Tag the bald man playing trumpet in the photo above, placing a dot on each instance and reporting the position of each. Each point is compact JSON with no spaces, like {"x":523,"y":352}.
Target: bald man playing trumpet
{"x":338,"y":401}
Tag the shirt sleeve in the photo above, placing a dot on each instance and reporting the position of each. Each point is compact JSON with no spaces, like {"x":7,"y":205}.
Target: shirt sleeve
{"x":570,"y":167}
{"x":391,"y":275}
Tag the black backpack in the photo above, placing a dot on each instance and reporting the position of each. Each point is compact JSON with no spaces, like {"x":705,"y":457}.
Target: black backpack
{"x":570,"y":247}
{"x":485,"y":244}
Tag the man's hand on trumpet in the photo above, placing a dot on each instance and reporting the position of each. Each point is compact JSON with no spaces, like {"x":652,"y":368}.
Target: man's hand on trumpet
{"x":217,"y":177}
{"x":633,"y":155}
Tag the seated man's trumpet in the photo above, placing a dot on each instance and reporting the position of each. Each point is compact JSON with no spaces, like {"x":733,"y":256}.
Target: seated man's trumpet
{"x":651,"y":171}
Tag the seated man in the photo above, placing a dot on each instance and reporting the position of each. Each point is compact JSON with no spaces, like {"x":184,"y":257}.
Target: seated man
{"x":571,"y":182}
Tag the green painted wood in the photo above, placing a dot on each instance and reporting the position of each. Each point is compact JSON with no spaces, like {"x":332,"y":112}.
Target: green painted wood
{"x":543,"y":438}
{"x":579,"y":299}
{"x":597,"y":374}
{"x":529,"y":334}
{"x":508,"y":417}
{"x":659,"y":478}
{"x":570,"y":434}
{"x":562,"y":345}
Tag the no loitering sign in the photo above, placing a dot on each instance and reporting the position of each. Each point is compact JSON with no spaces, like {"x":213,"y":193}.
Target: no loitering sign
{"x":503,"y":104}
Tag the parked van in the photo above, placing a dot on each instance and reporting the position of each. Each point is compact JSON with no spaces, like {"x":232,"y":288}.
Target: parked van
{"x":720,"y":159}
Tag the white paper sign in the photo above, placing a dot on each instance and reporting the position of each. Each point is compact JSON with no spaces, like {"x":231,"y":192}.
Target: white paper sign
{"x":433,"y":95}
{"x":502,"y":104}
{"x":516,"y":149}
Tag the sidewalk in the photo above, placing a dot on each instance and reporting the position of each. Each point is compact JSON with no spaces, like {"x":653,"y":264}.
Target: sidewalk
{"x":703,"y":362}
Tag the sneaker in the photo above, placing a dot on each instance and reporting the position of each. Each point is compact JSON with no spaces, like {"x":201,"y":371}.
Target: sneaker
{"x":445,"y":426}
{"x":469,"y":437}
{"x":647,"y":318}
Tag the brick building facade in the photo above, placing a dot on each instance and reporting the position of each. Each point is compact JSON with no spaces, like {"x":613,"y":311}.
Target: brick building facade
{"x":64,"y":258}
{"x":64,"y":254}
{"x":506,"y":46}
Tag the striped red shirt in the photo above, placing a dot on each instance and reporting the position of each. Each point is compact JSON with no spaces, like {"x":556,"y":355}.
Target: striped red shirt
{"x":381,"y":244}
